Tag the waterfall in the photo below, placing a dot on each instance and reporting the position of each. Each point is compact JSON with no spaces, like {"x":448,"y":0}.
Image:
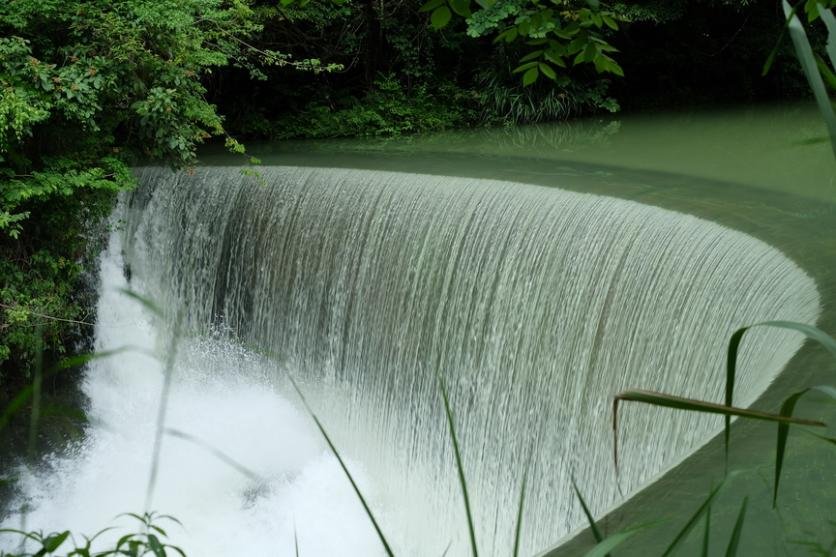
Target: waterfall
{"x":535,"y":304}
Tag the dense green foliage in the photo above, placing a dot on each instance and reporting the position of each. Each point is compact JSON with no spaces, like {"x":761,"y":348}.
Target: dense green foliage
{"x":86,"y":88}
{"x":404,"y":70}
{"x":90,"y":87}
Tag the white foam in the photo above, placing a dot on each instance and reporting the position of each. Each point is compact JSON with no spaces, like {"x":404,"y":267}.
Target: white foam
{"x":221,"y":396}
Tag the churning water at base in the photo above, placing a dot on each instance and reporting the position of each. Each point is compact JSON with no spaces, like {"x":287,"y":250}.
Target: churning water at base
{"x":536,"y":304}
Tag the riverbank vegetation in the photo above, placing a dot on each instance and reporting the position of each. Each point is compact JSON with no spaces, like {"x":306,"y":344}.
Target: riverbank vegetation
{"x":89,"y":88}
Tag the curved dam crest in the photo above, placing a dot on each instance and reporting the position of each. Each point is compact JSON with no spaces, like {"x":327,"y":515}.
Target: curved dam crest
{"x":536,"y":305}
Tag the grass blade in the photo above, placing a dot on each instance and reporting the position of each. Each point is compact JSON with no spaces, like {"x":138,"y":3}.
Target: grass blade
{"x":829,"y":21}
{"x":707,"y":532}
{"x":693,"y":520}
{"x":147,"y":303}
{"x":693,"y":405}
{"x":787,"y":409}
{"x":520,"y":505}
{"x":734,"y":542}
{"x":217,"y":453}
{"x":731,"y":371}
{"x":728,"y":410}
{"x":831,"y":440}
{"x":804,"y":53}
{"x":23,"y":396}
{"x":603,"y":548}
{"x":37,"y":382}
{"x":772,"y":53}
{"x":809,"y":331}
{"x":459,"y":467}
{"x":596,"y":533}
{"x":168,"y":374}
{"x":339,"y":458}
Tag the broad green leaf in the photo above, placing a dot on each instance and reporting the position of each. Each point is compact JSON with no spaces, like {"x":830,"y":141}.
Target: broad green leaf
{"x":811,"y":8}
{"x":509,"y":35}
{"x":53,"y":542}
{"x":567,"y":33}
{"x":461,"y":7}
{"x":610,"y":22}
{"x":531,"y":56}
{"x":547,"y":70}
{"x":155,"y":546}
{"x":530,"y":76}
{"x":440,"y":17}
{"x":577,"y":45}
{"x":555,"y":59}
{"x":431,"y":5}
{"x":523,"y":67}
